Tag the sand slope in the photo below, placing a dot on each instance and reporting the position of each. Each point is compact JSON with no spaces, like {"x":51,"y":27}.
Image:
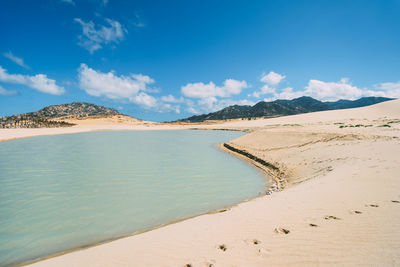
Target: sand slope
{"x":342,"y":205}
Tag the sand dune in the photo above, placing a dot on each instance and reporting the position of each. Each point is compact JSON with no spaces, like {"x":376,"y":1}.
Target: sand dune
{"x":341,"y":205}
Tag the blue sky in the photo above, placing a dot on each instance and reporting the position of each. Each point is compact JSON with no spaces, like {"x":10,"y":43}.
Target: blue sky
{"x":164,"y":60}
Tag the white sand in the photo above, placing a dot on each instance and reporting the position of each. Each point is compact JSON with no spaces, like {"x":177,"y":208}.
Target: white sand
{"x":83,"y":126}
{"x":331,"y":171}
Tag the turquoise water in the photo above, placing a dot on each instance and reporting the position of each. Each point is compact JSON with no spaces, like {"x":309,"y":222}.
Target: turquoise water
{"x":67,"y":191}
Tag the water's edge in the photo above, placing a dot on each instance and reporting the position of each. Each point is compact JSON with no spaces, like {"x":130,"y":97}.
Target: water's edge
{"x":220,"y":147}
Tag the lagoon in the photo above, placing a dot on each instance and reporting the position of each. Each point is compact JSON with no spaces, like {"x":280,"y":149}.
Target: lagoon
{"x":64,"y":192}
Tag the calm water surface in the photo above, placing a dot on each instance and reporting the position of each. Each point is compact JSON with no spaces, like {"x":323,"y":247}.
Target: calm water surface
{"x":66,"y":191}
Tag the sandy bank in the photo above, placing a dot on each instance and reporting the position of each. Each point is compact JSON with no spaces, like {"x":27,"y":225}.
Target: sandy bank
{"x":10,"y":134}
{"x":341,"y":206}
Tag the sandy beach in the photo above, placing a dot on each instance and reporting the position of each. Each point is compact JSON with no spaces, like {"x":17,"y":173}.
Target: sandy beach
{"x":340,"y":204}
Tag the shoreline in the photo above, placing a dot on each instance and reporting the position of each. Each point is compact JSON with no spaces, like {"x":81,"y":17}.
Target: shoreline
{"x":34,"y":132}
{"x":264,"y":171}
{"x":271,"y":172}
{"x":337,"y":197}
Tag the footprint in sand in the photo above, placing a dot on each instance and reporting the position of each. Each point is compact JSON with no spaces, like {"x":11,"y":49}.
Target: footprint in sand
{"x":374,"y":205}
{"x":330,"y":217}
{"x":280,"y":230}
{"x":222,"y":247}
{"x":313,"y":225}
{"x":395,"y":201}
{"x":355,"y":212}
{"x":252,"y":241}
{"x":264,"y":252}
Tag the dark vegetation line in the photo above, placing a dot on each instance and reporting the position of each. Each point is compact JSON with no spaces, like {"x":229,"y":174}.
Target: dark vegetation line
{"x":250,"y":156}
{"x":22,"y":121}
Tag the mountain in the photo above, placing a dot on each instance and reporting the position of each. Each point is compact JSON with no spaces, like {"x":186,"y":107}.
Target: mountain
{"x":53,"y":116}
{"x":362,"y":102}
{"x":279,"y":108}
{"x":75,"y":110}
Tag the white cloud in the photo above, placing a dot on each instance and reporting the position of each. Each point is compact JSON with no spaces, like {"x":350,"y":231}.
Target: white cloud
{"x":133,"y":88}
{"x":228,"y":102}
{"x":389,"y":86}
{"x":212,"y":104}
{"x":193,"y":110}
{"x":145,"y":100}
{"x":172,"y":99}
{"x":333,"y":91}
{"x":150,"y":102}
{"x":324,"y":91}
{"x":208,"y":95}
{"x":272,"y":78}
{"x":7,"y":92}
{"x":266,"y":89}
{"x":71,"y":2}
{"x":201,"y":90}
{"x":208,"y":104}
{"x":93,"y":36}
{"x":287,"y":93}
{"x":389,"y":89}
{"x":169,"y":103}
{"x":170,"y":108}
{"x":39,"y":82}
{"x":112,"y":86}
{"x":16,"y":60}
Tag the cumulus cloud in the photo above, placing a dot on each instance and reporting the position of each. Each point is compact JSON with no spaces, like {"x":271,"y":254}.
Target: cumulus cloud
{"x":287,"y":94}
{"x":272,"y":78}
{"x":212,"y":104}
{"x":321,"y":90}
{"x":17,"y":60}
{"x":166,"y":107}
{"x":111,"y":86}
{"x":208,"y":95}
{"x":38,"y":82}
{"x":266,"y":89}
{"x":389,"y":89}
{"x":324,"y":91}
{"x":133,"y":88}
{"x":7,"y":92}
{"x":332,"y":91}
{"x":172,"y":99}
{"x":145,"y":100}
{"x":93,"y":36}
{"x":201,"y":90}
{"x":163,"y":105}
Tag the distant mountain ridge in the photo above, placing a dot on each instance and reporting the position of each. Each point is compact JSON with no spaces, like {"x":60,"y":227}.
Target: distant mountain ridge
{"x":53,"y":116}
{"x":279,"y":108}
{"x":74,"y":109}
